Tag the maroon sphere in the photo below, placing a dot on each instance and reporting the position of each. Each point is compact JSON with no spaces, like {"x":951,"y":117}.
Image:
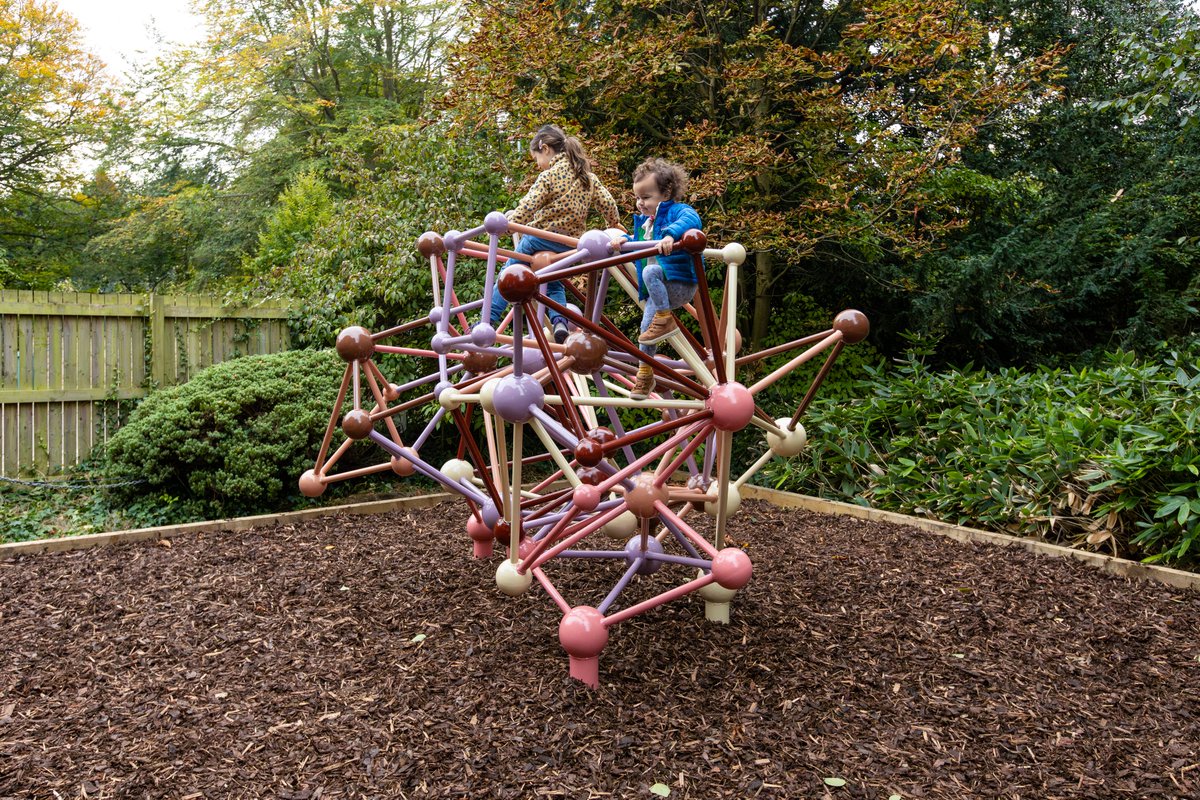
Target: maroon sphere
{"x":430,"y":244}
{"x":602,"y":435}
{"x":587,"y":350}
{"x":588,"y":452}
{"x":355,"y":344}
{"x":592,"y":476}
{"x":854,"y":325}
{"x":517,"y":283}
{"x":693,"y":240}
{"x":503,"y":530}
{"x":357,"y":424}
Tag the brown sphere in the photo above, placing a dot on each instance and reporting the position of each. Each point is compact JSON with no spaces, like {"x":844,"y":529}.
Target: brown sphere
{"x":854,"y":325}
{"x":587,"y":350}
{"x":355,"y":344}
{"x":602,"y":435}
{"x":644,"y":494}
{"x":517,"y":283}
{"x":592,"y":476}
{"x":311,"y":485}
{"x":693,"y":240}
{"x":430,"y":244}
{"x":402,"y":467}
{"x":588,"y":452}
{"x":541,"y":259}
{"x":479,"y":363}
{"x":357,"y":424}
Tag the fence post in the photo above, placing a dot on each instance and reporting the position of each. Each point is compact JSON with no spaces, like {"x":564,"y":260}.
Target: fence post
{"x":159,"y":351}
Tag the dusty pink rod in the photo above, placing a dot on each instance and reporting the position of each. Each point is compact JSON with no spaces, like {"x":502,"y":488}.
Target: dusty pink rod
{"x":700,"y":541}
{"x":548,"y":539}
{"x":550,"y":590}
{"x":593,"y":524}
{"x":337,"y":406}
{"x":668,"y":445}
{"x":795,"y":362}
{"x":655,"y":602}
{"x":570,"y":241}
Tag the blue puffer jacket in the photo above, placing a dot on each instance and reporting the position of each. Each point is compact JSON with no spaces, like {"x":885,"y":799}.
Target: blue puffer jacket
{"x":672,"y":219}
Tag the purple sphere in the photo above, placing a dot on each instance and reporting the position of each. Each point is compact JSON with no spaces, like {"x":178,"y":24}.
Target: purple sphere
{"x":483,"y":335}
{"x":435,"y":315}
{"x":633,"y":550}
{"x":441,"y":343}
{"x":516,"y":397}
{"x":491,"y":514}
{"x":453,"y":241}
{"x":532,"y":360}
{"x":496,"y":223}
{"x":595,"y":244}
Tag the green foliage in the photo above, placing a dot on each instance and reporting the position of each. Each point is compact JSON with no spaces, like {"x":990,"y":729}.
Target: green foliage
{"x":234,"y":439}
{"x":1106,"y":456}
{"x":1163,"y":72}
{"x":304,"y":207}
{"x":361,"y":265}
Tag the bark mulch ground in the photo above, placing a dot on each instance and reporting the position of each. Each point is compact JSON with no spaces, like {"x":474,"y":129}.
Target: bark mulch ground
{"x":372,"y":657}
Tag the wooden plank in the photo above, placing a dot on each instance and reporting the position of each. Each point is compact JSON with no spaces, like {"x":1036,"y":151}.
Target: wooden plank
{"x":71,"y":395}
{"x":8,"y":359}
{"x":97,"y":309}
{"x":1114,"y":566}
{"x":68,"y":543}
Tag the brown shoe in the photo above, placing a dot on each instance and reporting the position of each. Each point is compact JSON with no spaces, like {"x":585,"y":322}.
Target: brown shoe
{"x":662,"y":325}
{"x":644,"y":385}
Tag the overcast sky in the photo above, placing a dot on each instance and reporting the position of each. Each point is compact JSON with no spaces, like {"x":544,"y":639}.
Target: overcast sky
{"x":115,"y":30}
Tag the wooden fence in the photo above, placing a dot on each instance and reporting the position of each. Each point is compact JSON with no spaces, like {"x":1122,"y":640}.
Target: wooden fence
{"x":69,"y":360}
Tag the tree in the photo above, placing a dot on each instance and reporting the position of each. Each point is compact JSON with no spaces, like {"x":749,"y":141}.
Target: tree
{"x":52,"y":96}
{"x":814,"y":129}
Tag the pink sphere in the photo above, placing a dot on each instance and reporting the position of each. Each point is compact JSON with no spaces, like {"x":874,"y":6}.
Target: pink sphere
{"x":402,"y":467}
{"x":311,"y":485}
{"x":478,"y":530}
{"x":732,"y":406}
{"x":582,"y":632}
{"x":732,"y":568}
{"x":586,"y":497}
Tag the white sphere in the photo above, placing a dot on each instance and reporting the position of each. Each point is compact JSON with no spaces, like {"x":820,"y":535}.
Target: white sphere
{"x":448,"y":399}
{"x":733,"y":253}
{"x":511,"y":582}
{"x":733,"y":500}
{"x":485,"y":394}
{"x":456,"y":469}
{"x":622,"y":527}
{"x":715,"y":592}
{"x":789,"y":445}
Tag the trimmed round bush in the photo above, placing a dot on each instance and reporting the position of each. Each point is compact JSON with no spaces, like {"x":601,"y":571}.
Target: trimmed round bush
{"x":233,"y":440}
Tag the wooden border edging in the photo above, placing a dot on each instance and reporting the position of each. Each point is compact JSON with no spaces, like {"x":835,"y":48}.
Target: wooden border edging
{"x":65,"y":543}
{"x":1121,"y":567}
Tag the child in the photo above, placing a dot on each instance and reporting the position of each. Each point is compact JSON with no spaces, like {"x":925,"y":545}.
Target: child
{"x":666,"y":281}
{"x":558,"y":201}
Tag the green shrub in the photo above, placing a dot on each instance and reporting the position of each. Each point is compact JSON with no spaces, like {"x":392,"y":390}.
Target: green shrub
{"x":1107,"y":458}
{"x":233,"y":440}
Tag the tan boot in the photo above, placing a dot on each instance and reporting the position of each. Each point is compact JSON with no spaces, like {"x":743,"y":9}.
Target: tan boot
{"x":644,"y":385}
{"x":662,"y":325}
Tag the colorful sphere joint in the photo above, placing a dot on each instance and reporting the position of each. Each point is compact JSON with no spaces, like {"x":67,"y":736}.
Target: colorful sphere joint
{"x":562,"y":403}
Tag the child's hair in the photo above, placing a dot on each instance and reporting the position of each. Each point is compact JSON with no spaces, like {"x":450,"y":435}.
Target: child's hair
{"x":671,"y":178}
{"x":553,"y":137}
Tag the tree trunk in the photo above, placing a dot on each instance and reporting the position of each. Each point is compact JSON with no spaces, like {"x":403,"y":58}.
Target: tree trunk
{"x":760,"y":320}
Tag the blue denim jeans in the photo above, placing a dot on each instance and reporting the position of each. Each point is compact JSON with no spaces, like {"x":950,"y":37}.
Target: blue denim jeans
{"x":665,"y":295}
{"x":554,"y":289}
